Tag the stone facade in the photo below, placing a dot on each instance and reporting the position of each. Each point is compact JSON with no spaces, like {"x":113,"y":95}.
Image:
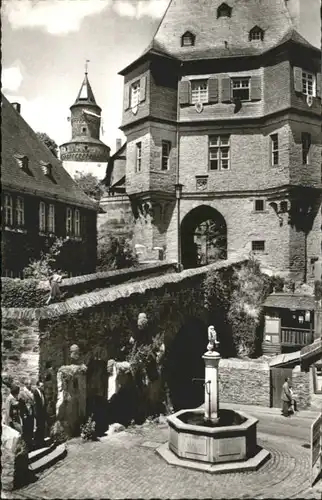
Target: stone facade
{"x":288,"y":224}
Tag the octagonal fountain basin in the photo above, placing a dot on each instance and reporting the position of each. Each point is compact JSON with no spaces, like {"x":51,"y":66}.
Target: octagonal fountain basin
{"x":232,"y":438}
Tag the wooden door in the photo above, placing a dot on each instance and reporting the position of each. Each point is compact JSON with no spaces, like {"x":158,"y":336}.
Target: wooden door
{"x":278,"y":376}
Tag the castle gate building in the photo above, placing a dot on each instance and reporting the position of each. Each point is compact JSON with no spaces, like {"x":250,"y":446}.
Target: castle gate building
{"x":222,"y":116}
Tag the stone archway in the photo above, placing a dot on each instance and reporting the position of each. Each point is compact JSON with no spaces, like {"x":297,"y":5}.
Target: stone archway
{"x":184,"y":363}
{"x":203,"y":237}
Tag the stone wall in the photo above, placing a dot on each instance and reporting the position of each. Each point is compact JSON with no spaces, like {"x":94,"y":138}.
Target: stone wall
{"x":20,"y":346}
{"x":244,"y":382}
{"x":301,"y":387}
{"x":14,"y":459}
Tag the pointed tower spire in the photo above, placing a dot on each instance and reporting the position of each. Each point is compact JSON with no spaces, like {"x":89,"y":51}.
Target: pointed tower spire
{"x":85,"y":95}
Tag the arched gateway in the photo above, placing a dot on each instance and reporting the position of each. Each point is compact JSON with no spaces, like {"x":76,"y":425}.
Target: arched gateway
{"x":203,"y":237}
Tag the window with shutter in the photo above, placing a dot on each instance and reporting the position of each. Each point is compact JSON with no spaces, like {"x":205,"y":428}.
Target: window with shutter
{"x":126,"y":97}
{"x":143,"y":88}
{"x":213,"y":90}
{"x":199,"y":91}
{"x":135,"y":94}
{"x":184,"y":92}
{"x":308,"y":83}
{"x":297,"y":74}
{"x":225,"y":90}
{"x":255,"y":88}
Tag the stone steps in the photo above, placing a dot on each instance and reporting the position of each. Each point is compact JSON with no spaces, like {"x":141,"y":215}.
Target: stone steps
{"x":43,"y":458}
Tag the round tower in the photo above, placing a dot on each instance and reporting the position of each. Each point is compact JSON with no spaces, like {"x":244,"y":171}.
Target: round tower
{"x":85,"y":152}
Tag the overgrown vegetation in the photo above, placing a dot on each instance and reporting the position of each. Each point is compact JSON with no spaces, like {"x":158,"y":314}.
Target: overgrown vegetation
{"x":90,"y":185}
{"x":238,"y":297}
{"x":46,"y":265}
{"x":115,"y":253}
{"x":88,"y":430}
{"x":49,"y":142}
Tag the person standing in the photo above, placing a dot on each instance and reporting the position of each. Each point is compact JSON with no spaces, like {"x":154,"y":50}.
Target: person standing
{"x":12,"y":409}
{"x":40,"y":413}
{"x":27,"y":404}
{"x":286,"y":398}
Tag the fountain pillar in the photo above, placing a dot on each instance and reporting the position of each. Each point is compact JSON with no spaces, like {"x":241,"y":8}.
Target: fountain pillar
{"x":212,"y":359}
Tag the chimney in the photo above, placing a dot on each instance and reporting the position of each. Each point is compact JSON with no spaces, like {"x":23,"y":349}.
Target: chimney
{"x":118,"y":144}
{"x":17,"y":106}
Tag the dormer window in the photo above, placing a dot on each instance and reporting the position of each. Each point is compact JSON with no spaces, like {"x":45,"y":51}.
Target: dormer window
{"x":46,"y":168}
{"x":224,"y":10}
{"x":256,"y":33}
{"x":188,"y":39}
{"x":23,"y":161}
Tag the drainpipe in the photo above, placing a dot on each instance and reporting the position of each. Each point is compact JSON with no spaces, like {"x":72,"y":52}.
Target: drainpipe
{"x":178,"y":186}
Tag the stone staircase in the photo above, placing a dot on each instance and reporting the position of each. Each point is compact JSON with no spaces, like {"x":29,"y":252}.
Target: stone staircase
{"x":43,"y":458}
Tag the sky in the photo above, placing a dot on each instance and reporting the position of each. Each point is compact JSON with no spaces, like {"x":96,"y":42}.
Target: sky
{"x":45,"y":44}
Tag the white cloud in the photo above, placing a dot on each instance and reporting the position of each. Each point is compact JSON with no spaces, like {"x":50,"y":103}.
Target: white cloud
{"x":11,"y":78}
{"x":137,"y":9}
{"x":59,"y":17}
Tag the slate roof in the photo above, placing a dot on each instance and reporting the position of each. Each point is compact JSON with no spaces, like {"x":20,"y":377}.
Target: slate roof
{"x":290,"y":301}
{"x":86,"y":94}
{"x":312,"y":349}
{"x":200,"y":18}
{"x":18,"y":138}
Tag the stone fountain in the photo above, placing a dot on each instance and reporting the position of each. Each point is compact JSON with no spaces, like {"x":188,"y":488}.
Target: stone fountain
{"x":209,"y":438}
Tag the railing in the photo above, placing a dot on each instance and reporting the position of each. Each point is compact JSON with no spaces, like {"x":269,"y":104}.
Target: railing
{"x":296,"y":336}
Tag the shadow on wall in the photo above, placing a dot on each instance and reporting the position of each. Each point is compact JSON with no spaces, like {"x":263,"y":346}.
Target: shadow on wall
{"x":184,"y":363}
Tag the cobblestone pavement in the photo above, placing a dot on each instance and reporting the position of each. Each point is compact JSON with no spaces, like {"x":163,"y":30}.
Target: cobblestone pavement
{"x":125,"y":465}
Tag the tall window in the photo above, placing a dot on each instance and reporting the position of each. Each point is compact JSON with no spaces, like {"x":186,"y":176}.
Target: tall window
{"x":51,"y":218}
{"x":308,"y":83}
{"x":77,"y":223}
{"x":20,"y":211}
{"x":42,"y":216}
{"x":135,"y":94}
{"x":165,"y":160}
{"x":306,"y":144}
{"x":240,"y":88}
{"x":138,"y":160}
{"x":69,"y":221}
{"x":274,"y":149}
{"x":219,"y":152}
{"x":199,"y":91}
{"x":8,"y":210}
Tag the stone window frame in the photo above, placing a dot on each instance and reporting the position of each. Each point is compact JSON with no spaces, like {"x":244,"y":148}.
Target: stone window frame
{"x":308,"y":83}
{"x":138,"y":156}
{"x":165,"y":155}
{"x":8,"y":209}
{"x":20,"y":211}
{"x":259,"y":205}
{"x":217,"y":145}
{"x":135,"y":93}
{"x":274,"y":147}
{"x":258,"y":245}
{"x":239,"y":88}
{"x":42,"y":216}
{"x":199,"y":90}
{"x":51,"y":218}
{"x":306,"y":148}
{"x":77,"y":222}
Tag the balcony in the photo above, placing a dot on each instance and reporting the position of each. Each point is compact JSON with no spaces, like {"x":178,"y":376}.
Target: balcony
{"x":296,"y":337}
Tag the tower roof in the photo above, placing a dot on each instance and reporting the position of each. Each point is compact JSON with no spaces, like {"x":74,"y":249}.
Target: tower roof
{"x":85,"y":94}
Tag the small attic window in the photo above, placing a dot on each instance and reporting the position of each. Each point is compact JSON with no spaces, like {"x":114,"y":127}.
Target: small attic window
{"x":23,"y":161}
{"x":46,"y":168}
{"x":187,"y":39}
{"x":256,"y":33}
{"x":224,"y":10}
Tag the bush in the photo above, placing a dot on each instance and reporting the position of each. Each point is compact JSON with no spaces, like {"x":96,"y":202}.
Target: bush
{"x":47,"y":264}
{"x":88,"y":430}
{"x":22,"y":293}
{"x":57,"y":433}
{"x":115,"y":253}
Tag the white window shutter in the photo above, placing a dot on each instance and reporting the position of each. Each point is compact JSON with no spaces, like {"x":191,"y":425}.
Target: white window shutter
{"x":126,"y":97}
{"x":297,"y":74}
{"x":142,"y":88}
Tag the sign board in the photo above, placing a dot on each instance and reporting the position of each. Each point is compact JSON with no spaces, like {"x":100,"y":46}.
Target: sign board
{"x":316,"y":449}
